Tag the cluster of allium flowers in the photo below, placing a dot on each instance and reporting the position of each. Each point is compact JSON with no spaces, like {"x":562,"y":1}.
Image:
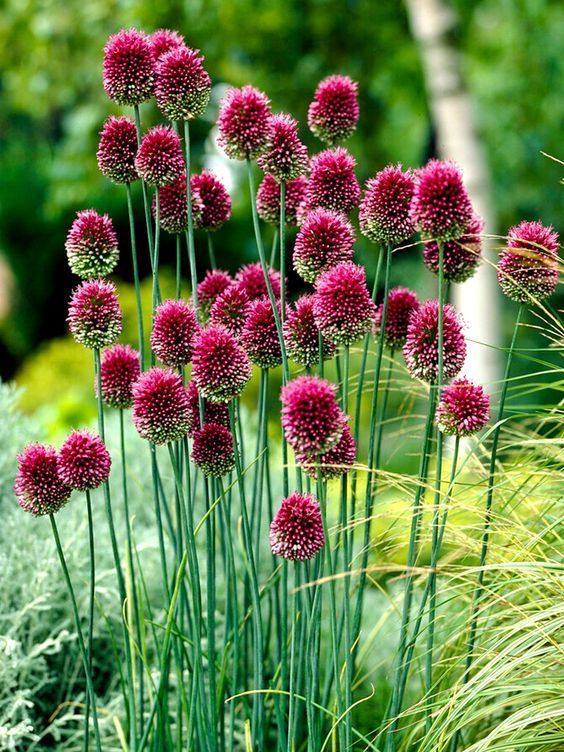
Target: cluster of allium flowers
{"x":464,"y":408}
{"x":84,"y":461}
{"x":214,"y":201}
{"x":333,"y":114}
{"x":119,"y":370}
{"x":231,"y":309}
{"x":159,"y":160}
{"x":384,"y":214}
{"x":251,"y":279}
{"x":117,"y":150}
{"x":259,"y":335}
{"x":94,"y":316}
{"x":342,"y":306}
{"x":212,"y":450}
{"x":332,"y":183}
{"x":440,"y":208}
{"x":128,"y":67}
{"x":460,"y":257}
{"x":421,"y":349}
{"x":175,"y":327}
{"x":286,"y":157}
{"x":244,"y":123}
{"x":220,"y":366}
{"x":528,"y":266}
{"x":214,"y":412}
{"x":301,"y":335}
{"x":268,"y":200}
{"x":335,"y":462}
{"x":161,"y":409}
{"x":325,"y":239}
{"x":164,"y":40}
{"x":182,"y":84}
{"x":296,"y":532}
{"x":91,"y":245}
{"x":311,"y":418}
{"x":401,"y":304}
{"x":38,"y":487}
{"x":209,"y":289}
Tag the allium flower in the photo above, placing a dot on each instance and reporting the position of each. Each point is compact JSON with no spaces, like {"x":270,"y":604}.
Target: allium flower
{"x":529,"y":264}
{"x":342,"y":306}
{"x":325,"y":239}
{"x":268,"y":200}
{"x":117,"y":150}
{"x":286,"y":157}
{"x":464,"y":408}
{"x":251,"y":279}
{"x":301,"y":335}
{"x":220,"y":366}
{"x":259,"y":335}
{"x":84,"y":461}
{"x":384,"y":211}
{"x":175,"y":327}
{"x":461,"y":257}
{"x":173,"y":207}
{"x":332,"y":183}
{"x":212,"y":450}
{"x":38,"y":487}
{"x":91,"y":245}
{"x":333,"y":114}
{"x":296,"y":532}
{"x":128,"y":67}
{"x":312,"y":420}
{"x":182,"y":85}
{"x":160,"y":160}
{"x":213,"y":198}
{"x":214,"y":412}
{"x":119,"y":369}
{"x":164,"y":40}
{"x":161,"y":409}
{"x":244,"y":123}
{"x":336,"y":461}
{"x":401,"y":304}
{"x":94,"y":314}
{"x":421,"y":349}
{"x":440,"y":208}
{"x":231,"y":309}
{"x":212,"y":285}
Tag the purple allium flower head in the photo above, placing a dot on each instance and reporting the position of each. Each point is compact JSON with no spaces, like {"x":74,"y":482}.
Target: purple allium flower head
{"x":268,"y":200}
{"x":84,"y":461}
{"x":312,"y":420}
{"x":461,"y":257}
{"x":259,"y":335}
{"x":301,"y":335}
{"x":38,"y":487}
{"x":337,"y":461}
{"x":332,"y":183}
{"x":92,"y":245}
{"x":129,"y":67}
{"x":231,"y":309}
{"x":182,"y":84}
{"x":286,"y":157}
{"x":175,"y":327}
{"x":384,"y":211}
{"x":325,"y":239}
{"x":214,"y":412}
{"x":117,"y":150}
{"x":251,"y":279}
{"x":94,"y":316}
{"x":342,"y":306}
{"x":244,"y":123}
{"x":333,"y":114}
{"x":220,"y":366}
{"x":296,"y":532}
{"x":212,"y":450}
{"x":164,"y":40}
{"x":161,"y":409}
{"x":421,"y":349}
{"x":160,"y":160}
{"x":401,"y":304}
{"x":528,"y":266}
{"x":464,"y":408}
{"x":173,"y":207}
{"x":214,"y":200}
{"x":212,"y":285}
{"x":119,"y":370}
{"x":441,"y":208}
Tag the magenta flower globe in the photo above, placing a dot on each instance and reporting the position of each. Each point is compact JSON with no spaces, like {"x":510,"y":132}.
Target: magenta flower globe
{"x":384,"y":212}
{"x":173,"y":206}
{"x":214,"y":201}
{"x":84,"y":461}
{"x":182,"y":84}
{"x":324,"y":240}
{"x":268,"y":200}
{"x":301,"y":335}
{"x":244,"y":123}
{"x":332,"y":183}
{"x":94,"y":316}
{"x":119,"y":370}
{"x":117,"y":150}
{"x":214,"y":412}
{"x":333,"y":114}
{"x":210,"y":288}
{"x":175,"y":326}
{"x":231,"y":309}
{"x":164,"y":40}
{"x":159,"y":160}
{"x":464,"y":408}
{"x":161,"y":410}
{"x":334,"y":463}
{"x":259,"y":335}
{"x":212,"y":450}
{"x":250,"y":278}
{"x":286,"y":157}
{"x":92,"y":245}
{"x":38,"y":487}
{"x":461,"y":257}
{"x":129,"y":68}
{"x":401,"y":305}
{"x":296,"y":532}
{"x":220,"y":366}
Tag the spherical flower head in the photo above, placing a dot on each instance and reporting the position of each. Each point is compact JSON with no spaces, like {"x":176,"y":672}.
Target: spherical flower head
{"x":244,"y":123}
{"x":129,"y":67}
{"x":333,"y":114}
{"x":529,"y":265}
{"x":84,"y":461}
{"x":296,"y":532}
{"x":335,"y":462}
{"x":161,"y":410}
{"x":286,"y":157}
{"x":311,"y":418}
{"x":212,"y":450}
{"x":94,"y":316}
{"x":421,"y":349}
{"x":214,"y":412}
{"x":175,"y":327}
{"x":209,"y":289}
{"x":117,"y":149}
{"x":268,"y":200}
{"x":325,"y":239}
{"x":460,"y":257}
{"x":251,"y":279}
{"x":173,"y":206}
{"x":182,"y":84}
{"x":342,"y":306}
{"x":38,"y":487}
{"x":220,"y":366}
{"x":332,"y":183}
{"x":401,"y":304}
{"x":231,"y":309}
{"x":440,"y":208}
{"x":259,"y":335}
{"x":159,"y":160}
{"x":301,"y":335}
{"x":164,"y":40}
{"x":213,"y":198}
{"x":119,"y":370}
{"x":464,"y":408}
{"x":91,"y":245}
{"x":384,"y":213}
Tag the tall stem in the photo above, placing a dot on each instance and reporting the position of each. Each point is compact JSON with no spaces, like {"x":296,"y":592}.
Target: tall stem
{"x":146,"y":202}
{"x":92,"y":590}
{"x":283,"y":250}
{"x":211,"y":253}
{"x":178,"y":268}
{"x":140,"y":335}
{"x":347,"y":545}
{"x":297,"y":621}
{"x":156,"y":250}
{"x":190,"y":231}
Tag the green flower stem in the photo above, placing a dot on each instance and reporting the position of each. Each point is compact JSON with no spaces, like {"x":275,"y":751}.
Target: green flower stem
{"x":92,"y":589}
{"x":190,"y":232}
{"x":156,"y":250}
{"x":347,"y":547}
{"x":178,"y":268}
{"x":283,"y":250}
{"x":146,"y":202}
{"x":211,"y":604}
{"x":211,"y":253}
{"x":297,"y":622}
{"x":274,"y":249}
{"x":138,"y":303}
